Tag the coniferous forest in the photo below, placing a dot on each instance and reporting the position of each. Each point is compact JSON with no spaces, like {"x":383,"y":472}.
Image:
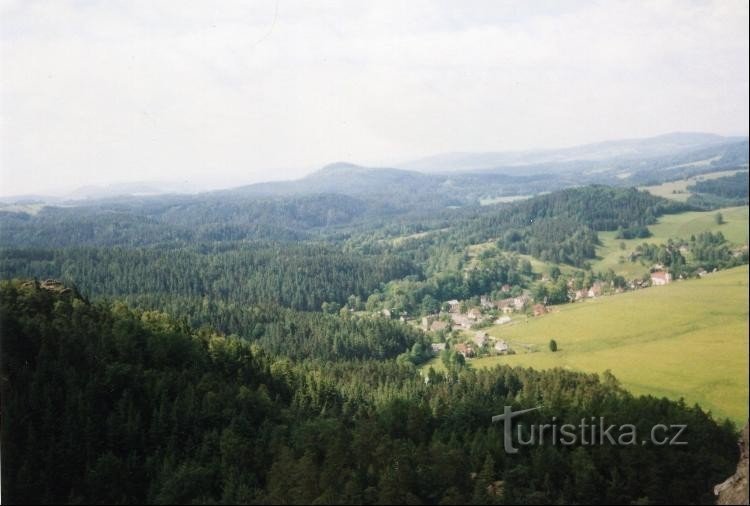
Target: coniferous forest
{"x":350,"y":252}
{"x":207,"y":350}
{"x":106,"y":404}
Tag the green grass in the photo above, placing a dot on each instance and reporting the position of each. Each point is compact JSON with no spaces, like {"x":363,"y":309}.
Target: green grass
{"x":671,"y":226}
{"x":687,"y":339}
{"x":677,"y":190}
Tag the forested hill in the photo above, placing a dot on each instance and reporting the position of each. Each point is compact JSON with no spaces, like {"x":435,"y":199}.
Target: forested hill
{"x":103,"y":404}
{"x":176,"y":221}
{"x":219,"y":282}
{"x":561,"y":226}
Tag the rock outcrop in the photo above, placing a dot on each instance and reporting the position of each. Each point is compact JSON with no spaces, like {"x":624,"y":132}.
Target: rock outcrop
{"x":734,"y":490}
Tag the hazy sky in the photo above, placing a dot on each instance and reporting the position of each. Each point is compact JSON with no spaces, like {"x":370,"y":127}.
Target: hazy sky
{"x":239,"y":91}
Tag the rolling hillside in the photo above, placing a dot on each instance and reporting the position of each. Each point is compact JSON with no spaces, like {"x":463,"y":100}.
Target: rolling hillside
{"x":688,"y":339}
{"x":671,"y":226}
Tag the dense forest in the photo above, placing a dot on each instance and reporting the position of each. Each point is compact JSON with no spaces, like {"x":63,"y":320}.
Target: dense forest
{"x":300,"y":276}
{"x":720,"y":192}
{"x":559,"y":227}
{"x":105,"y":404}
{"x":182,"y":220}
{"x":138,"y":252}
{"x":246,"y":347}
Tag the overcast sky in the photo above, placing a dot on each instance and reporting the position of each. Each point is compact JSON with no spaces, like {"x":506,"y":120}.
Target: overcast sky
{"x":226,"y":92}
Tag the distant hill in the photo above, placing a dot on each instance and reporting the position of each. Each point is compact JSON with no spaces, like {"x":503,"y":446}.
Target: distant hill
{"x":135,"y":188}
{"x":341,"y":192}
{"x":605,"y":153}
{"x":345,"y":178}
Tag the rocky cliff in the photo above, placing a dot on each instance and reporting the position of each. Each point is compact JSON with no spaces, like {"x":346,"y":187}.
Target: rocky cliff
{"x":734,"y":490}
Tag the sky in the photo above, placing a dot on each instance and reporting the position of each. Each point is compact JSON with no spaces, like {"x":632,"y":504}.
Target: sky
{"x":232,"y":92}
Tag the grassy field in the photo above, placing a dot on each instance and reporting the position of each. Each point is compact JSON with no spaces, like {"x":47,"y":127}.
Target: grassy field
{"x":687,"y":339}
{"x":486,"y":201}
{"x":670,"y":226}
{"x":677,"y":190}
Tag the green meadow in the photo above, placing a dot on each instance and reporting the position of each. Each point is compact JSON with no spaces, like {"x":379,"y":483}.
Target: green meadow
{"x":685,"y":340}
{"x":671,"y":226}
{"x":677,"y":190}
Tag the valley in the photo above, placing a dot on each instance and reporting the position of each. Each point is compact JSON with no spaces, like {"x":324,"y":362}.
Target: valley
{"x":324,"y":330}
{"x":685,"y":340}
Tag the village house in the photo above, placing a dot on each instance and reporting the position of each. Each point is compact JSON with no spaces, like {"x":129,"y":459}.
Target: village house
{"x":503,"y":320}
{"x":453,"y":306}
{"x":539,"y":309}
{"x":520,"y":302}
{"x":501,"y":346}
{"x":485,"y":302}
{"x":386,"y":313}
{"x":505,"y":288}
{"x":464,"y":349}
{"x":637,"y":283}
{"x":474,"y":314}
{"x":659,"y":278}
{"x":596,"y":289}
{"x":480,"y":338}
{"x":460,"y":320}
{"x":505,"y":305}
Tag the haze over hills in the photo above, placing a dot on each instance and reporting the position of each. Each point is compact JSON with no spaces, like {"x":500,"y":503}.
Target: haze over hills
{"x":465,"y":178}
{"x":473,"y":177}
{"x":113,"y":190}
{"x":661,"y":146}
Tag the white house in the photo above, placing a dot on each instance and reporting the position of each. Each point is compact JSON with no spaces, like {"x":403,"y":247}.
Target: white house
{"x":659,"y":278}
{"x":501,"y":346}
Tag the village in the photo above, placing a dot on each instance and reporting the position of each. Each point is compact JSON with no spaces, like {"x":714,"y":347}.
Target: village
{"x":461,"y":325}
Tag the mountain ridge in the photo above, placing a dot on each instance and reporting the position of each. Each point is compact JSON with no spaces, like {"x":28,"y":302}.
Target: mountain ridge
{"x":655,"y":146}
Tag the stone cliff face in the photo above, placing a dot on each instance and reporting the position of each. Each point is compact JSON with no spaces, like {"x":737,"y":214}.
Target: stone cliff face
{"x":734,"y":490}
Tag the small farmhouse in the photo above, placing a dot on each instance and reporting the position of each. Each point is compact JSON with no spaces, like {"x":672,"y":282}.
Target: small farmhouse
{"x":520,"y":302}
{"x":539,"y":309}
{"x":480,"y":338}
{"x":659,"y":278}
{"x":474,"y":314}
{"x":464,"y":349}
{"x":501,"y":346}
